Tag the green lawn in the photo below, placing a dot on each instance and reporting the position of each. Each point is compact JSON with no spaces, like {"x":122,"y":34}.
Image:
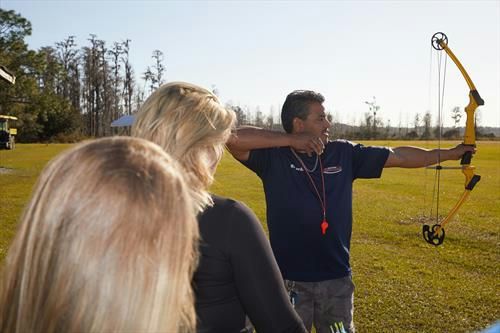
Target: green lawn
{"x":403,"y":284}
{"x":21,"y":168}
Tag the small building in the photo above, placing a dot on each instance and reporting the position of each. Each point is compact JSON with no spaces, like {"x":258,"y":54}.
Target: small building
{"x":6,"y":75}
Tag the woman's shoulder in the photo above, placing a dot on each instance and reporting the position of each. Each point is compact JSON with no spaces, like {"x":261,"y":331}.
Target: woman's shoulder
{"x":226,"y":208}
{"x":220,"y":201}
{"x":225,"y":204}
{"x":228,"y":222}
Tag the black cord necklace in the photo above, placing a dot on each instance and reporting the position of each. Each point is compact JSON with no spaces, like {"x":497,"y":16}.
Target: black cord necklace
{"x":322,"y":200}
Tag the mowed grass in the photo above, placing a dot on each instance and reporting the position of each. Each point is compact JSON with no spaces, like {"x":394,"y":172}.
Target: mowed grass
{"x":19,"y":171}
{"x":403,"y":284}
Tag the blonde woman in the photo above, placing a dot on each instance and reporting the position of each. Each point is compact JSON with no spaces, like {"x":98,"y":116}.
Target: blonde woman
{"x":106,"y":244}
{"x":237,"y":274}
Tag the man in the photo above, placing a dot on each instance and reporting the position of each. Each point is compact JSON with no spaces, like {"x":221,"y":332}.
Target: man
{"x":308,"y":186}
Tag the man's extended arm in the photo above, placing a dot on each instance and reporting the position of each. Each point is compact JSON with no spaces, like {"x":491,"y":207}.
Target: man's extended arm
{"x":414,"y":157}
{"x":244,"y":139}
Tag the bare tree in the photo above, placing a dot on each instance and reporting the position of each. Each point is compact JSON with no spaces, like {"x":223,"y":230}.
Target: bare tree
{"x":107,"y":93}
{"x":155,"y":74}
{"x":400,"y":124}
{"x":139,"y":96}
{"x":427,"y":125}
{"x":69,"y":58}
{"x":438,"y":128}
{"x":94,"y":72}
{"x":259,"y":117}
{"x":66,"y":53}
{"x":241,"y":117}
{"x":416,"y":123}
{"x":50,"y":77}
{"x":129,"y":83}
{"x":270,"y":118}
{"x":115,"y":54}
{"x":456,"y":115}
{"x":374,"y":109}
{"x":158,"y":67}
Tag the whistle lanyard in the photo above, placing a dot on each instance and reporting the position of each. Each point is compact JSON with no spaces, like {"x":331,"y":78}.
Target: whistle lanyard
{"x":322,"y":200}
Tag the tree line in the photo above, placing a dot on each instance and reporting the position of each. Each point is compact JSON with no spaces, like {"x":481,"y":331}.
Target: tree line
{"x":65,"y":92}
{"x":372,"y":126}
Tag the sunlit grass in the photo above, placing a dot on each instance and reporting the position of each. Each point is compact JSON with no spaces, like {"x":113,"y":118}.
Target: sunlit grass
{"x":19,"y":170}
{"x":403,"y":284}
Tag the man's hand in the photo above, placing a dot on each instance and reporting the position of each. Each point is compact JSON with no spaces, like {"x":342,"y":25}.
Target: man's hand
{"x":306,"y":143}
{"x":457,"y":152}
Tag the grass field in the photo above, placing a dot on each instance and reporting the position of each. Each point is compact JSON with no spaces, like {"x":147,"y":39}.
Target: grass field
{"x":403,"y":284}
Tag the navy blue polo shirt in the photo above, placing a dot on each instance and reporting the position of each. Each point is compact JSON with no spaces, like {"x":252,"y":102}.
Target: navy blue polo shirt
{"x":294,"y":212}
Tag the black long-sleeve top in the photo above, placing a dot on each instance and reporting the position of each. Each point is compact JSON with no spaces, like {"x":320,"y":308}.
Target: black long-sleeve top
{"x":238,"y":276}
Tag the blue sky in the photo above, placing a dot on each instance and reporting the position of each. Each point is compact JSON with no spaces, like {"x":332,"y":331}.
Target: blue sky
{"x":256,"y":52}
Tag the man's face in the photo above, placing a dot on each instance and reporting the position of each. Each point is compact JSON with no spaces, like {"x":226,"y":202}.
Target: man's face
{"x":315,"y":124}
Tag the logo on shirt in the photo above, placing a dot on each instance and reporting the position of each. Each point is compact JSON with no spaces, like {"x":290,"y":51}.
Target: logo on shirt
{"x":292,"y":166}
{"x":332,"y":169}
{"x":328,"y":170}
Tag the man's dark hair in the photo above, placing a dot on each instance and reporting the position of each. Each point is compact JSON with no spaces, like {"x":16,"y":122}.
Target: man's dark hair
{"x":297,"y":106}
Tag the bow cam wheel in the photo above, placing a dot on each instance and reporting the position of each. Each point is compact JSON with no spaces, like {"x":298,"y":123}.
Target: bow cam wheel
{"x":437,"y":39}
{"x":431,"y":236}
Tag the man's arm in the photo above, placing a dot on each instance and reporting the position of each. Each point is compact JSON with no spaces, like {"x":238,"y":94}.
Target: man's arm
{"x":245,"y":139}
{"x":414,"y":157}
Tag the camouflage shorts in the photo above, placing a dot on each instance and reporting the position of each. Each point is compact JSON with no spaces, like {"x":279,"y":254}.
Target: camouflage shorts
{"x":326,"y":304}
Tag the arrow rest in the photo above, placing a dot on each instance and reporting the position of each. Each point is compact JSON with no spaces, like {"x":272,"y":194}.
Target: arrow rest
{"x":431,"y":236}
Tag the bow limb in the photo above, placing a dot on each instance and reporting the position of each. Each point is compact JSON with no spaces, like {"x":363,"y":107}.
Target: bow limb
{"x":470,"y":181}
{"x":475,"y":99}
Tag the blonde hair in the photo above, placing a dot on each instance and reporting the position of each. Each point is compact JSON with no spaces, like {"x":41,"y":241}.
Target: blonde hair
{"x":190,"y":124}
{"x":107,"y":243}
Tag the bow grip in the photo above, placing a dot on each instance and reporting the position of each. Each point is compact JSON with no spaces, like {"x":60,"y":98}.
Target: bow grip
{"x":466,"y":158}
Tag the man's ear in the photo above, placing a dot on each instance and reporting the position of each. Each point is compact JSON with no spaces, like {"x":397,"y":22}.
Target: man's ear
{"x":298,"y":125}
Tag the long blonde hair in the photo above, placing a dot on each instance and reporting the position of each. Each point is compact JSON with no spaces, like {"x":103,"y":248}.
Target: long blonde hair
{"x":107,"y":243}
{"x":190,"y":124}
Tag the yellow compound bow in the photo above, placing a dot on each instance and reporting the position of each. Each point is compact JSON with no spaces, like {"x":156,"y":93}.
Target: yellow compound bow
{"x":435,"y":234}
